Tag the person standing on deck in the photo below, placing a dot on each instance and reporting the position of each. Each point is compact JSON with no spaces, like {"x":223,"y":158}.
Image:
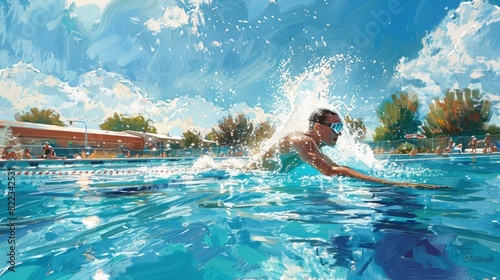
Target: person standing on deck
{"x":473,"y":144}
{"x":487,"y":144}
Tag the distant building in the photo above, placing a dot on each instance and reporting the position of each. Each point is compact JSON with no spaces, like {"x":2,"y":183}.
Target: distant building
{"x":72,"y":137}
{"x":60,"y":136}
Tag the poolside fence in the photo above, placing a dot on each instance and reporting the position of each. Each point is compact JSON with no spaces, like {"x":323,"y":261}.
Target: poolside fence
{"x":429,"y":145}
{"x":426,"y":145}
{"x":37,"y":150}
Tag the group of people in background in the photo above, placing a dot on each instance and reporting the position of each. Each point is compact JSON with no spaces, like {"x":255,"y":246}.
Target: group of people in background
{"x":49,"y":153}
{"x":488,"y":148}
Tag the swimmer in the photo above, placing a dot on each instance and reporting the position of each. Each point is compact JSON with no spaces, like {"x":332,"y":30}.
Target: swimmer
{"x":296,"y":148}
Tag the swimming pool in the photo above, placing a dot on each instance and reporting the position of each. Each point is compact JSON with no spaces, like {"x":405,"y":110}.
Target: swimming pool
{"x":207,"y":219}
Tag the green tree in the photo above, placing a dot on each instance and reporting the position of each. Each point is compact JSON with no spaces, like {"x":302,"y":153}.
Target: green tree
{"x":398,"y":116}
{"x":461,"y":112}
{"x":263,"y":131}
{"x":211,"y":136}
{"x":356,"y":127}
{"x":192,"y":139}
{"x":237,"y":131}
{"x":382,"y":133}
{"x":34,"y":115}
{"x":120,"y":122}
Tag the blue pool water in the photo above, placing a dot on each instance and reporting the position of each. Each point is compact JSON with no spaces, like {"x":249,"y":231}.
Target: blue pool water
{"x":196,"y":220}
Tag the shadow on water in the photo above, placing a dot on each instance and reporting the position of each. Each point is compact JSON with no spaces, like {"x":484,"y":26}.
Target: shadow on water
{"x":398,"y":233}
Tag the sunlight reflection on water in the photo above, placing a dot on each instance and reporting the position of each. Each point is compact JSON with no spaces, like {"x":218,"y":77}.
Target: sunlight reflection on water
{"x":246,"y":223}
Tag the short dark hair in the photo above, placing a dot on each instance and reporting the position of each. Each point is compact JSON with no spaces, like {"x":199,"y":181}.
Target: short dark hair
{"x":320,"y":115}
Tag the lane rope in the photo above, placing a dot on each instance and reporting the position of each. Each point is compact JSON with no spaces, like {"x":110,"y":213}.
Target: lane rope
{"x":88,"y":172}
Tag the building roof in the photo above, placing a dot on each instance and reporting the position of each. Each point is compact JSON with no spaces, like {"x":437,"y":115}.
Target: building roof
{"x":63,"y":128}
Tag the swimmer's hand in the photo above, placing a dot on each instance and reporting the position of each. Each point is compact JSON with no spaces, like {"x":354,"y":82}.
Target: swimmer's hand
{"x":417,"y":185}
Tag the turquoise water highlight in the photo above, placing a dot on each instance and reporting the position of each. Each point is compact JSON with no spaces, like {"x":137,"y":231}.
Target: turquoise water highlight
{"x":174,"y":221}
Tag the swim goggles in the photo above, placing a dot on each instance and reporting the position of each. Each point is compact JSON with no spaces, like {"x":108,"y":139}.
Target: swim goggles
{"x":336,"y":127}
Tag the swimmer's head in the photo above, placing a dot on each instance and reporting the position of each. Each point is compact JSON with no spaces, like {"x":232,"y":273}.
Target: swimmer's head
{"x":319,"y":116}
{"x":327,"y":125}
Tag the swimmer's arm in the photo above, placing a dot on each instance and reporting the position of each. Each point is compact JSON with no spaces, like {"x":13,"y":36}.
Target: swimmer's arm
{"x":314,"y":157}
{"x":346,"y":171}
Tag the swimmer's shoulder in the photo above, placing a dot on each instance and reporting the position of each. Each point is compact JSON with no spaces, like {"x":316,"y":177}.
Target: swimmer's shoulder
{"x":295,"y":141}
{"x":295,"y":137}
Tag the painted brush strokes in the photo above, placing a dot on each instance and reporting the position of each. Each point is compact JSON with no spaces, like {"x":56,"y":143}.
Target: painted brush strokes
{"x":85,"y":223}
{"x":186,"y":63}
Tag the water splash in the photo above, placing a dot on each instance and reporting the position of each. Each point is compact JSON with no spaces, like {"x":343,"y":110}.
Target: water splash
{"x":315,"y":88}
{"x":302,"y":94}
{"x":207,"y":163}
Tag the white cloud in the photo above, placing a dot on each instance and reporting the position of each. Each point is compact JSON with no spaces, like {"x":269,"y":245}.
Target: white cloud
{"x":173,"y":17}
{"x":100,"y":94}
{"x":176,"y":17}
{"x":153,"y":25}
{"x":80,"y":3}
{"x":198,"y":3}
{"x":463,"y":51}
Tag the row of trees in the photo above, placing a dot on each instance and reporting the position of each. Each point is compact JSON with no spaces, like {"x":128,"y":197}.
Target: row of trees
{"x":231,"y":131}
{"x":121,"y":122}
{"x":118,"y":122}
{"x":40,"y":116}
{"x":462,"y":112}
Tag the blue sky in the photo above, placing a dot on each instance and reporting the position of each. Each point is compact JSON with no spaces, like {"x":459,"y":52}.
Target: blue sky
{"x":185,"y":64}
